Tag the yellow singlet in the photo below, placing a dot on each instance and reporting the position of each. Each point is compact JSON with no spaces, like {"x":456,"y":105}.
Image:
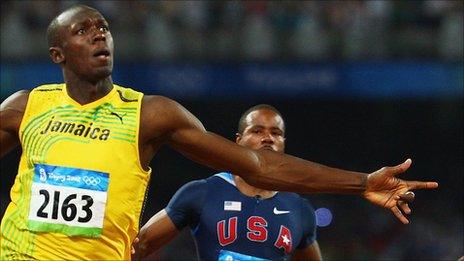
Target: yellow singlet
{"x":80,"y":186}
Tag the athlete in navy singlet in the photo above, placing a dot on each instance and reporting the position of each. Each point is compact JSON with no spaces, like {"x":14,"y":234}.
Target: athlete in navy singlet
{"x":233,"y":220}
{"x":226,"y":223}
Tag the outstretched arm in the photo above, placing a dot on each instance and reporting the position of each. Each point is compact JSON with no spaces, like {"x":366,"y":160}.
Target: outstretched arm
{"x":173,"y":124}
{"x":11,"y":114}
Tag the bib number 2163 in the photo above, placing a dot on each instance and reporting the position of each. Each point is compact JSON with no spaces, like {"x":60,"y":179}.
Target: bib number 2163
{"x":68,"y":200}
{"x":68,"y":210}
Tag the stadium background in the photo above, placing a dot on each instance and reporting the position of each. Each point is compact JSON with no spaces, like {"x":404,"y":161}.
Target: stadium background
{"x":360,"y":84}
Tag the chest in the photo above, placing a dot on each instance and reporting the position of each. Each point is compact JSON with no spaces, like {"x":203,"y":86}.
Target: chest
{"x":239,"y":221}
{"x":83,"y":133}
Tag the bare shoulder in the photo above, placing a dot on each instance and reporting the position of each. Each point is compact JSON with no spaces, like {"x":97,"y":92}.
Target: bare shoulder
{"x":161,"y":115}
{"x":160,"y":108}
{"x":158,"y":104}
{"x":12,"y":110}
{"x":163,"y":108}
{"x":16,"y":102}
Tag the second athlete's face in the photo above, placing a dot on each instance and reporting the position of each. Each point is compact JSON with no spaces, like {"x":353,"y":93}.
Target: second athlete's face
{"x":264,"y":130}
{"x":87,"y":44}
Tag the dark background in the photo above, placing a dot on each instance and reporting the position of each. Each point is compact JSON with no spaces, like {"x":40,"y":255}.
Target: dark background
{"x":366,"y":117}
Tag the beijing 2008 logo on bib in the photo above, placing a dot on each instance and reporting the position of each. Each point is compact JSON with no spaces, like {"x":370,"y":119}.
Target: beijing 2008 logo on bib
{"x":66,"y":200}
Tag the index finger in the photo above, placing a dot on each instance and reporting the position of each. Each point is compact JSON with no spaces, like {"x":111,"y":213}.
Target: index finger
{"x":422,"y":184}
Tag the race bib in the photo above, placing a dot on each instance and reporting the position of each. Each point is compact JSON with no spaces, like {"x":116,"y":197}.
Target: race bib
{"x":225,"y":255}
{"x":68,"y":200}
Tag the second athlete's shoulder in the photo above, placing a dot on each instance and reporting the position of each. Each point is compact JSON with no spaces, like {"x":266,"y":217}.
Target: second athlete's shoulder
{"x":297,"y":199}
{"x":290,"y":195}
{"x":221,"y":178}
{"x":194,"y":185}
{"x":211,"y":181}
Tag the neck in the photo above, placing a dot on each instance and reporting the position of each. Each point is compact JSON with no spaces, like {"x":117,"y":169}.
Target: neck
{"x":251,"y":191}
{"x":84,"y":91}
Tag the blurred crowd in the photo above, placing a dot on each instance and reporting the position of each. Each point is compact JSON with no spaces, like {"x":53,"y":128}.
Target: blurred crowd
{"x":253,"y":30}
{"x":301,"y":30}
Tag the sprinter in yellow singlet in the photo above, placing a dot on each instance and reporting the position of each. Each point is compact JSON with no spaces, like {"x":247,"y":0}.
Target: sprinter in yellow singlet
{"x":87,"y":143}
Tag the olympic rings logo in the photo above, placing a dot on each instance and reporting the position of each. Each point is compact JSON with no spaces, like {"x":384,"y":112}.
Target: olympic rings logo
{"x":43,"y":175}
{"x":91,"y":180}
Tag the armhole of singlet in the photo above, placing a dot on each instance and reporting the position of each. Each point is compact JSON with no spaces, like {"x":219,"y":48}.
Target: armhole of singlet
{"x":137,"y":130}
{"x":30,"y":99}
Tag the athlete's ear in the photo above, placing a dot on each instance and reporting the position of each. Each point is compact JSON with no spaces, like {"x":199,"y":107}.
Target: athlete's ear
{"x":238,"y":137}
{"x":56,"y":54}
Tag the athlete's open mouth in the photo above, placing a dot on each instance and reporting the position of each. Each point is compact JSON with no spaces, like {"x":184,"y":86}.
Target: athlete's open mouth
{"x":104,"y":53}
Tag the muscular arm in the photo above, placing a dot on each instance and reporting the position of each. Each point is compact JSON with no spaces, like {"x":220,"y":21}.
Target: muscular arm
{"x":165,"y":121}
{"x":311,"y":252}
{"x":177,"y":127}
{"x":184,"y":209}
{"x":11,"y":114}
{"x":156,"y":233}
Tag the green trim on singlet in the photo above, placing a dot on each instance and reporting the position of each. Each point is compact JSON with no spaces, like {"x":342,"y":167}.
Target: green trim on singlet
{"x":64,"y":229}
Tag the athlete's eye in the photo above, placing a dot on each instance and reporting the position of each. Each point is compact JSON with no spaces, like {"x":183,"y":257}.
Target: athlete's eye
{"x":81,"y":31}
{"x":104,"y":29}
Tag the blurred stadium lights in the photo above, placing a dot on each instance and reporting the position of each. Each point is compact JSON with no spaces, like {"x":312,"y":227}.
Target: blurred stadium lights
{"x":323,"y":217}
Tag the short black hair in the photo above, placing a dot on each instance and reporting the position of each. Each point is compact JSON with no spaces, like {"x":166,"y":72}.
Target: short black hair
{"x":242,"y":123}
{"x":53,"y":38}
{"x":52,"y":33}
